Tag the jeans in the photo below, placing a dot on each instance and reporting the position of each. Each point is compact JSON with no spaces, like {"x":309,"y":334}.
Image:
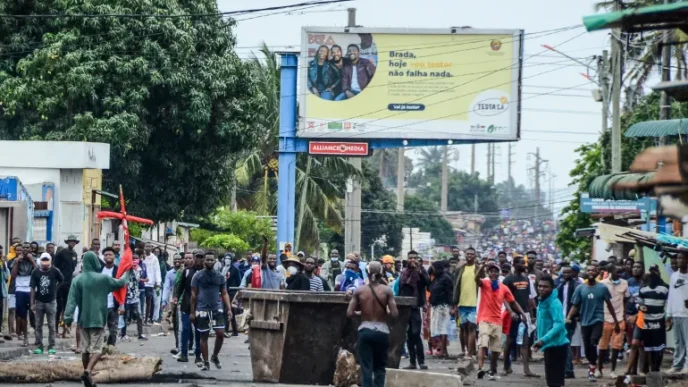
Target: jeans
{"x":186,"y":336}
{"x":45,"y":310}
{"x":112,"y":318}
{"x":157,"y":298}
{"x":132,"y":313}
{"x":142,"y":303}
{"x":414,"y":340}
{"x":342,"y":96}
{"x":327,"y":95}
{"x":372,"y":355}
{"x":681,"y":338}
{"x":568,"y":369}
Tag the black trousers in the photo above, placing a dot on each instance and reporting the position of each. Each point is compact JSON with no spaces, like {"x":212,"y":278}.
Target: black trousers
{"x":372,"y":355}
{"x":555,"y":363}
{"x":112,"y":318}
{"x":61,"y":296}
{"x":591,"y":336}
{"x":414,"y":339}
{"x":2,"y":305}
{"x":175,"y":325}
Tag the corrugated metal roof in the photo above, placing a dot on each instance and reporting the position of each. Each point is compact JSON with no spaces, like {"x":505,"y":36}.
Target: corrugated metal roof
{"x":602,"y":186}
{"x":658,"y":128}
{"x":638,"y":19}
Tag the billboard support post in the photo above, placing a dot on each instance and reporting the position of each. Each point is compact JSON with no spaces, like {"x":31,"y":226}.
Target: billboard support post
{"x":286,"y":194}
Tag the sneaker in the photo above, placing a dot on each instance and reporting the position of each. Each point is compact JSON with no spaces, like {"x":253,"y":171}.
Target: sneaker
{"x":673,"y":371}
{"x":174,"y":351}
{"x":422,"y":367}
{"x":183,"y":359}
{"x":491,"y":376}
{"x":38,"y":351}
{"x":591,"y":376}
{"x":235,"y":334}
{"x":411,"y":367}
{"x":598,"y":373}
{"x":569,"y":375}
{"x":216,"y":361}
{"x":206,"y":366}
{"x":51,"y":351}
{"x":143,"y":338}
{"x":157,"y":324}
{"x":125,"y":338}
{"x":199,"y":362}
{"x":481,"y":373}
{"x":613,"y":375}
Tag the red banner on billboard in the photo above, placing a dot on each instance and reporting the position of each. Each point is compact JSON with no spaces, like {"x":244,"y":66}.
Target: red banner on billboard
{"x":332,"y":148}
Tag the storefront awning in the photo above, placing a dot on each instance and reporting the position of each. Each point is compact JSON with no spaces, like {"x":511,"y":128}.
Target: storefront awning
{"x":655,"y":17}
{"x":602,"y":187}
{"x":663,"y":128}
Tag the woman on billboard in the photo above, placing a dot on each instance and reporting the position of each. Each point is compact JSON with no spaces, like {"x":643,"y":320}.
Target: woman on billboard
{"x":323,"y":77}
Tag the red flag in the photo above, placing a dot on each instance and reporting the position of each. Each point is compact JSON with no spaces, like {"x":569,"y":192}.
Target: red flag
{"x":125,"y":263}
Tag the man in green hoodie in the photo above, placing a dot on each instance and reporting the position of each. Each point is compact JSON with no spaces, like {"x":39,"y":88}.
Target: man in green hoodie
{"x":89,"y":293}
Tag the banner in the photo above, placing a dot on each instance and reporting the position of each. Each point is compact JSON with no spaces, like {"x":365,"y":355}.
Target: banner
{"x":458,"y":84}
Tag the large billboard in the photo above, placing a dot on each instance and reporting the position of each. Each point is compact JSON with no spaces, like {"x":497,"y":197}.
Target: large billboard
{"x":458,"y":84}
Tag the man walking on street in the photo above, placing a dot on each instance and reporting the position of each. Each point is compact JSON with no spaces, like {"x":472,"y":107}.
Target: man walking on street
{"x":618,"y":288}
{"x":112,"y":306}
{"x":677,"y":313}
{"x":171,"y":305}
{"x":131,"y":309}
{"x":22,"y":268}
{"x":89,"y":292}
{"x":551,"y":332}
{"x":413,"y":283}
{"x":565,"y":292}
{"x":152,"y":283}
{"x":65,"y":262}
{"x":521,"y":288}
{"x":466,"y":298}
{"x":44,"y":283}
{"x":375,"y":302}
{"x":589,"y":299}
{"x":183,"y":295}
{"x":493,"y":295}
{"x":210,"y":306}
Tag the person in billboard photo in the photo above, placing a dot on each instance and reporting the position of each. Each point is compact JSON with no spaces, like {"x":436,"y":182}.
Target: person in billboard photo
{"x":356,"y":74}
{"x":338,"y":62}
{"x":323,"y":76}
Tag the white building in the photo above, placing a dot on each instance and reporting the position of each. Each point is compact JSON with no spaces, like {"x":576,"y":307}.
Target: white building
{"x":59,"y":177}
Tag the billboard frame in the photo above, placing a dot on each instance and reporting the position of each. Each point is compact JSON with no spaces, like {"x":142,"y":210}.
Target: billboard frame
{"x":515,"y":95}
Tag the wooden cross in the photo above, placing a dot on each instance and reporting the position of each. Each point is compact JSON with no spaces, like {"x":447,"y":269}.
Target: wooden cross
{"x":126,"y":261}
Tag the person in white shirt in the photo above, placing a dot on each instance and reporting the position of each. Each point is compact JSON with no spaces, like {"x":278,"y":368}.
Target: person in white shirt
{"x":677,"y":313}
{"x":153,"y":282}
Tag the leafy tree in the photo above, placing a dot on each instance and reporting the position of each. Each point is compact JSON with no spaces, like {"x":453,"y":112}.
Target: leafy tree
{"x":169,"y":94}
{"x":228,"y":242}
{"x":247,"y":226}
{"x":385,"y":161}
{"x":425,"y":214}
{"x":379,"y":222}
{"x":431,"y":157}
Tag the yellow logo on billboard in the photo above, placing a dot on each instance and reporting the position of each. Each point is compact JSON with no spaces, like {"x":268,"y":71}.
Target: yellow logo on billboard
{"x":496,"y":44}
{"x":503,"y":100}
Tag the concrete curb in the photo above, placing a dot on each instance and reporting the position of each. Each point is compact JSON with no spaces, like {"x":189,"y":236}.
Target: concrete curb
{"x":406,"y":378}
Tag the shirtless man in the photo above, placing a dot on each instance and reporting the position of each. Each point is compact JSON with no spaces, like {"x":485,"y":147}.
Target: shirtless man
{"x":374,"y":301}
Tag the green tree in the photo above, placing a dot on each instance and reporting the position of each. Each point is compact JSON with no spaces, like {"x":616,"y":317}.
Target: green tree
{"x":431,"y":157}
{"x":227,"y":242}
{"x":379,"y":222}
{"x":424,"y":214}
{"x":246,"y":225}
{"x":169,"y":94}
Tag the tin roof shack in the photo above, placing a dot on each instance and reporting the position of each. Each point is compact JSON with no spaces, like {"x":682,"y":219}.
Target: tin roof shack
{"x":61,"y":174}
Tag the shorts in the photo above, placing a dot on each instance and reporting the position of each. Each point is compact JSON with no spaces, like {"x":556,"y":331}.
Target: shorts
{"x":149,"y":292}
{"x":609,"y":336}
{"x":506,"y":322}
{"x":439,"y":320}
{"x":23,"y":304}
{"x":467,"y":314}
{"x":92,"y":340}
{"x":490,"y":336}
{"x":654,"y":336}
{"x":11,"y":301}
{"x":205,"y":320}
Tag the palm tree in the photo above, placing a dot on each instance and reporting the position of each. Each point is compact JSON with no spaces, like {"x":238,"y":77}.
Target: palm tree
{"x":320,"y":181}
{"x":431,"y":157}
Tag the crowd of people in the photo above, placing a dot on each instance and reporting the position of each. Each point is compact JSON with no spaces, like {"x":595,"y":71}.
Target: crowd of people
{"x":504,"y":306}
{"x":334,"y":76}
{"x":520,"y":235}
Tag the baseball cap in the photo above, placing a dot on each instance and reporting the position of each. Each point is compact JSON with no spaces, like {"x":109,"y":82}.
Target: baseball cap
{"x":45,"y":257}
{"x":255,"y":259}
{"x":198,"y":252}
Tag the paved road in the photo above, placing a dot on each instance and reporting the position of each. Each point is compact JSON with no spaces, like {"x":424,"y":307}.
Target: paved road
{"x":236,"y":371}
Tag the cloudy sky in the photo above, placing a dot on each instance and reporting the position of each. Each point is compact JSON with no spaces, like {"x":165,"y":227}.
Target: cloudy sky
{"x":555,"y":123}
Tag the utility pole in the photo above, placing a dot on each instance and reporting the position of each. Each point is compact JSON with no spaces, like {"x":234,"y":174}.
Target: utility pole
{"x":603,"y":80}
{"x":489,"y":160}
{"x":538,"y":174}
{"x":472,"y":159}
{"x":616,"y":97}
{"x":445,"y":177}
{"x":664,"y":100}
{"x":508,"y":183}
{"x":352,"y":224}
{"x":492,"y":162}
{"x":400,"y":179}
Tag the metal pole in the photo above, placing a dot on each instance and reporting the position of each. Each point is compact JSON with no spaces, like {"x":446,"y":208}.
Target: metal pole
{"x":616,"y":98}
{"x":352,"y":224}
{"x":472,"y":159}
{"x":400,"y":180}
{"x":602,"y":71}
{"x":665,"y":101}
{"x":537,"y":182}
{"x":286,"y":195}
{"x":445,"y":176}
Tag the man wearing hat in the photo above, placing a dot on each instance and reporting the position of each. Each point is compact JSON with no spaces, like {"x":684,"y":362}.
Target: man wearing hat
{"x":297,"y":279}
{"x":44,"y":283}
{"x":65,"y":262}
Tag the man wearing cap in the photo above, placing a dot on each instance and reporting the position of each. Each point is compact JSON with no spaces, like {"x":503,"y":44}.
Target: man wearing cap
{"x":297,"y":278}
{"x":183,"y":292}
{"x":65,"y":262}
{"x":21,"y":271}
{"x":388,"y":266}
{"x":44,"y":283}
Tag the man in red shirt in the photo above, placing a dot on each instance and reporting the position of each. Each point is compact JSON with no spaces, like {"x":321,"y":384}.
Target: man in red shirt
{"x":492,"y":295}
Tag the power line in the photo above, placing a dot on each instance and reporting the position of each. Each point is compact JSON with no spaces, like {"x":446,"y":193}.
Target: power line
{"x":163,"y":16}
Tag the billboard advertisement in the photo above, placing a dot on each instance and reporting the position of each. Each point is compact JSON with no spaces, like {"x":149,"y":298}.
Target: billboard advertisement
{"x":458,"y":84}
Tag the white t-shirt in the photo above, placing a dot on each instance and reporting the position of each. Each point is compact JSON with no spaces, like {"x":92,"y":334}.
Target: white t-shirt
{"x":678,"y":293}
{"x":111,"y":299}
{"x":354,"y":80}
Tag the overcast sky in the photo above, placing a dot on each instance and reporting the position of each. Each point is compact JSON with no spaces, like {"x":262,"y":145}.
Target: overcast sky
{"x":557,"y":124}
